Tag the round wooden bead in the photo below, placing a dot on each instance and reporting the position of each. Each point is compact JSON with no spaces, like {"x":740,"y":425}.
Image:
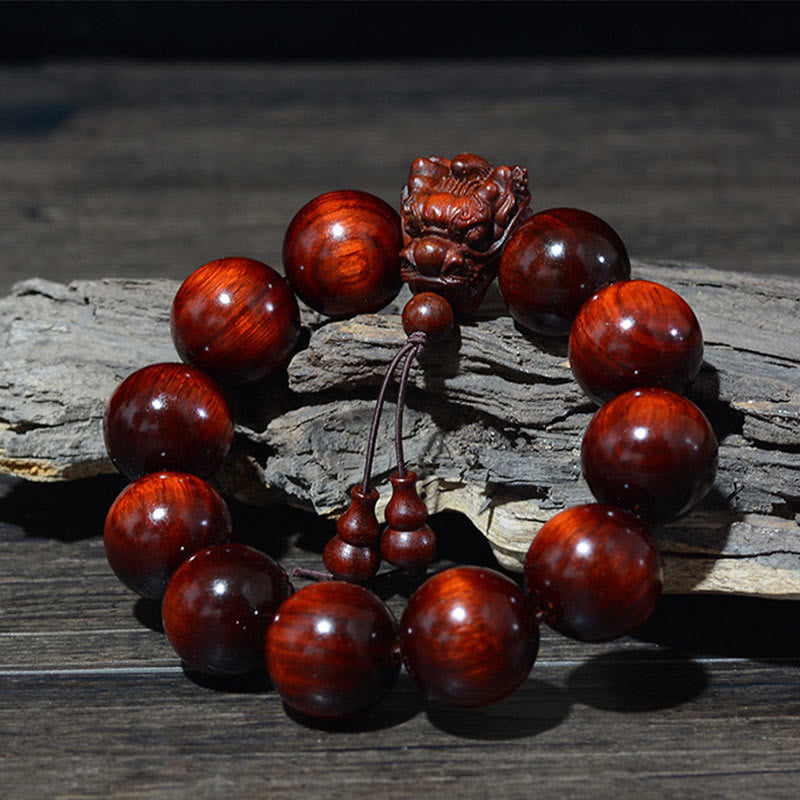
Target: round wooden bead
{"x":429,"y":313}
{"x":594,"y":572}
{"x":341,"y":253}
{"x":218,"y":606}
{"x":331,"y":650}
{"x":347,"y":562}
{"x":651,"y":452}
{"x":156,"y":523}
{"x":469,"y":636}
{"x":168,"y":417}
{"x":631,"y":335}
{"x":236,"y":319}
{"x":554,"y":262}
{"x":412,"y":550}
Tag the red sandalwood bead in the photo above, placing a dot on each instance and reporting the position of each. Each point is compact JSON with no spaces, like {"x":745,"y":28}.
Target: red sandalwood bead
{"x":347,"y":562}
{"x":218,"y":606}
{"x":341,"y":253}
{"x":156,"y":523}
{"x":358,"y":525}
{"x":554,"y":262}
{"x":236,"y":319}
{"x":168,"y":417}
{"x":594,"y":572}
{"x":651,"y":452}
{"x":469,"y":636}
{"x":635,"y":334}
{"x":331,"y":650}
{"x":429,"y":313}
{"x":407,"y":541}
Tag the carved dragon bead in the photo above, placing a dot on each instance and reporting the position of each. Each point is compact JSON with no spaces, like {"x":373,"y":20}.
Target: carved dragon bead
{"x":457,"y":215}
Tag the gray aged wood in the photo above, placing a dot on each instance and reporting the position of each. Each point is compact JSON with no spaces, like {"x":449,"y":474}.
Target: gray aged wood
{"x":494,"y":422}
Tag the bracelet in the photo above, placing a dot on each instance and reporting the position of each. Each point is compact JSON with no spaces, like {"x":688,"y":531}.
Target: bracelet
{"x":468,"y":635}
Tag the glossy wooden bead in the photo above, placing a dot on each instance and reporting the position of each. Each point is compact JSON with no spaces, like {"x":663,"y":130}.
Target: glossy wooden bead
{"x":341,"y":253}
{"x":156,"y":523}
{"x":594,"y":572}
{"x":651,"y":452}
{"x":218,"y":606}
{"x":469,"y":636}
{"x":236,"y":319}
{"x":358,"y":525}
{"x":635,"y":334}
{"x":347,"y":562}
{"x":331,"y":650}
{"x":554,"y":262}
{"x":168,"y":417}
{"x":406,"y":509}
{"x":407,"y":541}
{"x":429,"y":313}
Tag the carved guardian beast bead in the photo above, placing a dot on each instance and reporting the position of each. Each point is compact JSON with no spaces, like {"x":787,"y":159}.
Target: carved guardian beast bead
{"x":456,"y":217}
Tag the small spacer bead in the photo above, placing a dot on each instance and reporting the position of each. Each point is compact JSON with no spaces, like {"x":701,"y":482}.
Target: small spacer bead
{"x":430,"y":314}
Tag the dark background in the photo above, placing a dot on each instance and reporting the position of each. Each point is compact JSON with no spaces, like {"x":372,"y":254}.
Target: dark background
{"x":391,"y":30}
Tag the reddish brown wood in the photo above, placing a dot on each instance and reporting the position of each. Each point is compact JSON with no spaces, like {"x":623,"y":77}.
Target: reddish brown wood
{"x":554,"y":262}
{"x":651,"y":452}
{"x":635,"y":334}
{"x":407,"y":541}
{"x":331,"y":649}
{"x":156,"y":523}
{"x":469,"y":636}
{"x":236,"y":319}
{"x":218,"y":606}
{"x":341,"y":253}
{"x":594,"y":572}
{"x":358,"y":525}
{"x":347,"y":562}
{"x":457,"y":214}
{"x":429,"y":313}
{"x":168,"y":417}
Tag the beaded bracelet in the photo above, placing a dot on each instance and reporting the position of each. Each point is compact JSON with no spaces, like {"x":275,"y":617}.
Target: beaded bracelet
{"x":468,"y":635}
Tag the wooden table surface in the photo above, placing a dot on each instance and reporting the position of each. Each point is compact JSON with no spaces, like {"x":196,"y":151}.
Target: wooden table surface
{"x":131,"y":169}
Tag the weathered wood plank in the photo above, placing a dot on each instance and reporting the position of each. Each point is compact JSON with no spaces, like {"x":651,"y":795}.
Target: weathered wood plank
{"x":494,"y":422}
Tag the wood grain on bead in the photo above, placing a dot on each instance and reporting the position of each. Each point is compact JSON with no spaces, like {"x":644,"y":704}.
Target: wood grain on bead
{"x":331,"y":650}
{"x":168,"y":417}
{"x":341,"y":253}
{"x":348,"y":562}
{"x":651,"y":452}
{"x":635,"y":334}
{"x":554,"y":262}
{"x":469,"y":636}
{"x":218,"y":606}
{"x":156,"y":523}
{"x":430,"y":314}
{"x":236,"y":319}
{"x":594,"y":572}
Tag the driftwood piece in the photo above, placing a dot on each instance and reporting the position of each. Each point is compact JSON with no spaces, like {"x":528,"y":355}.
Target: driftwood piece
{"x":494,"y":422}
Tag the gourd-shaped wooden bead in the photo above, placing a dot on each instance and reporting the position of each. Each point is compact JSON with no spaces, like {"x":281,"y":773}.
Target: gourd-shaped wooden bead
{"x":358,"y":525}
{"x":407,"y":541}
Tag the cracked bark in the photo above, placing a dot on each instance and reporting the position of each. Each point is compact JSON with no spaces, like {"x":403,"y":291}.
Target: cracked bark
{"x":493,"y":426}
